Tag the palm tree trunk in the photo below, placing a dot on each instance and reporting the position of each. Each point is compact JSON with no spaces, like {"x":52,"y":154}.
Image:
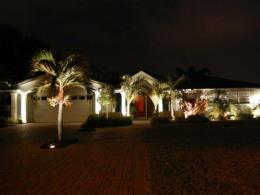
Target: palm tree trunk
{"x":107,"y":110}
{"x":128,"y":109}
{"x":60,"y":122}
{"x":172,"y":113}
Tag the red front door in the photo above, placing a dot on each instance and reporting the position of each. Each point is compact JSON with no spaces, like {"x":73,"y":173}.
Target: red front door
{"x":140,"y":106}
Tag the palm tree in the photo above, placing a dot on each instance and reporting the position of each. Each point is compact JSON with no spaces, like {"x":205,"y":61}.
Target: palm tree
{"x":59,"y":76}
{"x":132,"y":89}
{"x":158,"y":92}
{"x":172,"y":84}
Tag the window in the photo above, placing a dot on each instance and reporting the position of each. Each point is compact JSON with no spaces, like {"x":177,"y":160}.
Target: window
{"x":74,"y":97}
{"x":81,"y":97}
{"x":243,"y":97}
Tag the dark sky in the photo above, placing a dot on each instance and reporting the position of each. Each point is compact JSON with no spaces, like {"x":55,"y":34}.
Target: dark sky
{"x":158,"y":36}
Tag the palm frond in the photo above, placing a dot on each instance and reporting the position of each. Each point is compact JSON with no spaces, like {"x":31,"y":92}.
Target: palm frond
{"x":68,"y":62}
{"x":44,"y":62}
{"x":43,"y":88}
{"x":72,"y":76}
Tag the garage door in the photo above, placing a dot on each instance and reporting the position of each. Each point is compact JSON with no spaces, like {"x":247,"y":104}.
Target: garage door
{"x":81,"y":107}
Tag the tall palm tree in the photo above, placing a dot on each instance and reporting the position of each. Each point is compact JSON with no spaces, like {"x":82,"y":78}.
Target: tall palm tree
{"x":172,"y":84}
{"x":132,"y":89}
{"x":158,"y":93}
{"x":59,"y":76}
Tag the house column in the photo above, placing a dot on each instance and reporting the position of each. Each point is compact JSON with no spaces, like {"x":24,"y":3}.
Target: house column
{"x":97,"y":104}
{"x":24,"y":107}
{"x":160,"y":105}
{"x":14,"y":108}
{"x":123,"y":103}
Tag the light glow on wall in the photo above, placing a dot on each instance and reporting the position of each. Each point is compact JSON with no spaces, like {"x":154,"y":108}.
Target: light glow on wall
{"x":23,"y":107}
{"x":254,"y":100}
{"x":97,"y":104}
{"x":123,"y":104}
{"x":160,"y":105}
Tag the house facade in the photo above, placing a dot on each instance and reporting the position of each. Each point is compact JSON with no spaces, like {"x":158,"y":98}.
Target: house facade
{"x":27,"y":106}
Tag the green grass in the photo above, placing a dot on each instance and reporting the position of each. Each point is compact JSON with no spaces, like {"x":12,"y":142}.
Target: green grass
{"x":205,"y":158}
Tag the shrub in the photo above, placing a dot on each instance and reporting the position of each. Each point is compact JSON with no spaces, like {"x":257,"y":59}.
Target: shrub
{"x":158,"y":120}
{"x":165,"y":114}
{"x":197,"y":118}
{"x":96,"y":121}
{"x":246,"y":116}
{"x":3,"y":121}
{"x":179,"y":115}
{"x":256,"y":112}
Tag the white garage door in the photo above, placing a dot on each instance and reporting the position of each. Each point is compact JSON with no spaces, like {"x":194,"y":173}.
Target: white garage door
{"x":81,"y":107}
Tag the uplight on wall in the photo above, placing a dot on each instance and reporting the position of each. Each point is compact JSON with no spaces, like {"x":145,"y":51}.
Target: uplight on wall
{"x":23,"y":107}
{"x":254,"y":100}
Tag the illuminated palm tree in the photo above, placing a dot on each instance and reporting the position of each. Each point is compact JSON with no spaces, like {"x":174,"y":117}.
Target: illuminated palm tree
{"x":59,"y":76}
{"x":158,"y":92}
{"x":172,"y":84}
{"x":132,"y":89}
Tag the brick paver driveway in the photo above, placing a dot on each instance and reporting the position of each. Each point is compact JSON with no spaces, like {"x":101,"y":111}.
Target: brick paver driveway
{"x":108,"y":161}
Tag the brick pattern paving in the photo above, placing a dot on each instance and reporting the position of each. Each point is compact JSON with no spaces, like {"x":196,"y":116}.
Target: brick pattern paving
{"x":111,"y":161}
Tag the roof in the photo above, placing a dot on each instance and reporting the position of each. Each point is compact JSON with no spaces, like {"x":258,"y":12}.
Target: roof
{"x":205,"y":82}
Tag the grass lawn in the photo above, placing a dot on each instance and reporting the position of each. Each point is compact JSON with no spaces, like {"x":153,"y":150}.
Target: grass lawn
{"x":205,"y":158}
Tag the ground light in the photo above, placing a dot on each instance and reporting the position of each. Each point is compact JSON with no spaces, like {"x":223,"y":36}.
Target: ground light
{"x":56,"y":144}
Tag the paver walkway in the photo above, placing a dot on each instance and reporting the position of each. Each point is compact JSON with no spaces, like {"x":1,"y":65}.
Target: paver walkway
{"x":108,"y":161}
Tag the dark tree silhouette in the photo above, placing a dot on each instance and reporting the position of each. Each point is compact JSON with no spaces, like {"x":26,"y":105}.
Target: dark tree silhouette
{"x":16,"y":50}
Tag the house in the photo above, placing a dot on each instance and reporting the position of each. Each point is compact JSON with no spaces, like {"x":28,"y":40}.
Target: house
{"x":25,"y":105}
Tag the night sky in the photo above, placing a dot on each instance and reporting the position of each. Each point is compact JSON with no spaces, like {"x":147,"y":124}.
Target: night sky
{"x":159,"y":36}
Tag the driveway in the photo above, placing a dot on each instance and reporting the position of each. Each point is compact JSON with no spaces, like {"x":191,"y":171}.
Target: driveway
{"x":107,"y":161}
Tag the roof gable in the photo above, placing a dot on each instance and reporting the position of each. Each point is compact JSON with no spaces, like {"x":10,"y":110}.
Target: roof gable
{"x":143,"y":75}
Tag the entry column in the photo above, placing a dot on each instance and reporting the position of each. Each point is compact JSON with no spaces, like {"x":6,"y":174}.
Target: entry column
{"x":123,"y":103}
{"x":14,"y":108}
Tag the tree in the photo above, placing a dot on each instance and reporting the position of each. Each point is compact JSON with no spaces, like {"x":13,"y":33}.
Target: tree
{"x":132,"y":88}
{"x":107,"y":97}
{"x":193,"y":103}
{"x":221,"y":107}
{"x":158,"y":92}
{"x":172,"y":84}
{"x":59,"y":76}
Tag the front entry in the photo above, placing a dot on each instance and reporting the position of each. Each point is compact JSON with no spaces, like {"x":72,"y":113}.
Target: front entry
{"x":142,"y":107}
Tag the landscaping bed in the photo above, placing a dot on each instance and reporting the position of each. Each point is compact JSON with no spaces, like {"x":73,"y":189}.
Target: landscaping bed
{"x":97,"y":121}
{"x":205,"y":158}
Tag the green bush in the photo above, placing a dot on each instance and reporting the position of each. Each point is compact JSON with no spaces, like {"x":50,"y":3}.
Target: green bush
{"x":96,"y":121}
{"x":158,"y":120}
{"x":197,"y":118}
{"x":3,"y":121}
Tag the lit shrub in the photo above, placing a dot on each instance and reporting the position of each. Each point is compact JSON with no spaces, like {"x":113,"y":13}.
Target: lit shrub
{"x":234,"y":112}
{"x":256,"y":112}
{"x":179,"y":115}
{"x":97,"y":121}
{"x":165,"y":114}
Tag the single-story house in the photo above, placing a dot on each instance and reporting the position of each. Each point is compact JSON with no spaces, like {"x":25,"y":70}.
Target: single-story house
{"x":25,"y":105}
